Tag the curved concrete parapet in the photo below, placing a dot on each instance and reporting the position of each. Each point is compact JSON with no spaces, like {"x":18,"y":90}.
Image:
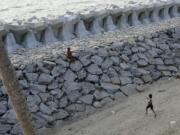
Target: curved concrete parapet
{"x":81,"y":26}
{"x":95,"y":27}
{"x":10,"y":43}
{"x":30,"y":40}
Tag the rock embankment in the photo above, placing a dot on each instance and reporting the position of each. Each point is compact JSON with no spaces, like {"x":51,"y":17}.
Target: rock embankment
{"x":58,"y":90}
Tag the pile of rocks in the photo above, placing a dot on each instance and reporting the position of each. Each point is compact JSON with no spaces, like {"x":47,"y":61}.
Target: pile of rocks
{"x":58,"y":89}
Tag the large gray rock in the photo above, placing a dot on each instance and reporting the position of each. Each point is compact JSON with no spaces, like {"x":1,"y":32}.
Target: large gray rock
{"x":63,"y":102}
{"x":87,"y":87}
{"x":115,"y":60}
{"x":138,"y":81}
{"x":61,"y":62}
{"x":106,"y":100}
{"x":76,"y":108}
{"x":97,"y":60}
{"x":69,"y":75}
{"x":45,"y":79}
{"x":57,"y":71}
{"x":5,"y":128}
{"x":24,"y":84}
{"x":100,"y":94}
{"x":94,"y":69}
{"x":156,"y":75}
{"x":87,"y":99}
{"x":110,"y":88}
{"x":159,"y":61}
{"x":16,"y":130}
{"x":81,"y":74}
{"x":9,"y":117}
{"x":3,"y":107}
{"x":38,"y":88}
{"x":128,"y":89}
{"x":125,"y":80}
{"x":85,"y":60}
{"x":162,"y":68}
{"x":44,"y":97}
{"x":62,"y":114}
{"x":147,"y":78}
{"x":168,"y":62}
{"x":142,"y":63}
{"x":34,"y":99}
{"x":32,"y":77}
{"x":73,"y":96}
{"x":92,"y":78}
{"x":124,"y":66}
{"x":115,"y":80}
{"x":76,"y":66}
{"x":102,"y":52}
{"x":71,"y":86}
{"x":107,"y":63}
{"x":53,"y":85}
{"x":45,"y":109}
{"x":105,"y":79}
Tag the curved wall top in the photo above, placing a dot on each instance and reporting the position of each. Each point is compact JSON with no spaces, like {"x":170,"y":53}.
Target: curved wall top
{"x":70,"y":26}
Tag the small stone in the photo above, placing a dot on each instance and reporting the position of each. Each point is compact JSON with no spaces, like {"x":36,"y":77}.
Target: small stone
{"x":71,"y":86}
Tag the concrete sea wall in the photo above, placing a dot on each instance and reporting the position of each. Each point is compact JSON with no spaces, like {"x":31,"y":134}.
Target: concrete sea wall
{"x":58,"y":90}
{"x":32,"y":35}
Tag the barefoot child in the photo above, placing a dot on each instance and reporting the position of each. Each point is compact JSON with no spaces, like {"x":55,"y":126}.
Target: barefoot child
{"x":150,"y":105}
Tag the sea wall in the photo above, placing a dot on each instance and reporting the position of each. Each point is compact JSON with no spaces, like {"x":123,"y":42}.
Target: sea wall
{"x":58,"y":89}
{"x":68,"y":27}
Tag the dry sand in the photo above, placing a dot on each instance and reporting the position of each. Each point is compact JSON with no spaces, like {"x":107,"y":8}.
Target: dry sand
{"x":128,"y":117}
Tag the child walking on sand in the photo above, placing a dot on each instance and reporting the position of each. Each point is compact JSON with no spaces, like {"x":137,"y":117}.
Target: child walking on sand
{"x":150,"y":105}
